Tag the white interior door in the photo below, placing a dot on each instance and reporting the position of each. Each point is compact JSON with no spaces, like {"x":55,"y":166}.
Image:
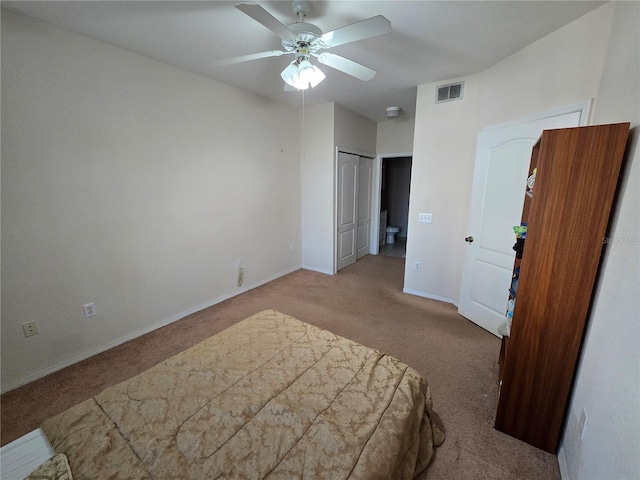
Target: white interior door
{"x":365,"y":178}
{"x":347,"y":208}
{"x":502,"y":164}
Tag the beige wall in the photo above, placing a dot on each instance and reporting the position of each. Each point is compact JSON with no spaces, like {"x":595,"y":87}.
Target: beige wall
{"x":608,"y":383}
{"x":354,"y":132}
{"x":327,"y":127}
{"x":443,"y":153}
{"x":134,"y":185}
{"x":131,"y":184}
{"x":596,"y":57}
{"x":318,"y":148}
{"x":395,"y":136}
{"x":563,"y":68}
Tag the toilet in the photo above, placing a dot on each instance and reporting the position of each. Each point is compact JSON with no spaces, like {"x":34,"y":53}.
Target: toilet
{"x":391,"y":234}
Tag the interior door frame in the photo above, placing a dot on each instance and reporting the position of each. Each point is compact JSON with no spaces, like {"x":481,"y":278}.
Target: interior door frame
{"x":583,"y":107}
{"x":335,"y":199}
{"x":376,"y":196}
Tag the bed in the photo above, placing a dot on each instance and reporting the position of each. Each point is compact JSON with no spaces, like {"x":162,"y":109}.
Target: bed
{"x":270,"y":397}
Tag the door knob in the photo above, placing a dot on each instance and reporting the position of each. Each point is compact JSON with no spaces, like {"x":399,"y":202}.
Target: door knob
{"x":469,"y":239}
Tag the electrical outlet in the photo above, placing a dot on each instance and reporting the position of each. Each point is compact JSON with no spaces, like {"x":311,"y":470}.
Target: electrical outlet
{"x":30,"y":329}
{"x":417,"y":266}
{"x":89,"y":310}
{"x":238,"y":264}
{"x":292,"y":247}
{"x":425,"y":217}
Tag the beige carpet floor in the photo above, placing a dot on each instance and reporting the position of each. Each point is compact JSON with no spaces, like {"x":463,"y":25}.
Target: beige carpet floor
{"x":365,"y":303}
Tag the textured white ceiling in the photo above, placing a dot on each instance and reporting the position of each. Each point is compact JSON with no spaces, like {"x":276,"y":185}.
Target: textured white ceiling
{"x":430,"y":40}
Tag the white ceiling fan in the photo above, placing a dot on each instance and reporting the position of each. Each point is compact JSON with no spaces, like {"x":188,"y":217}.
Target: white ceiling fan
{"x":305,"y":40}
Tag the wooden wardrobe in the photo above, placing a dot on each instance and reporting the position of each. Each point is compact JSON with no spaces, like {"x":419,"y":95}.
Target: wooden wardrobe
{"x":567,"y":216}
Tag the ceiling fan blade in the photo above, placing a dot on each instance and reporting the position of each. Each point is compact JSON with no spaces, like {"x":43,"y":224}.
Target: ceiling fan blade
{"x":246,"y":58}
{"x":260,"y":15}
{"x":371,"y":27}
{"x":347,"y":66}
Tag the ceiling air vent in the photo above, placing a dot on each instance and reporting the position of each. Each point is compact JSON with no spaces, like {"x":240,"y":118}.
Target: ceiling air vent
{"x":448,"y":93}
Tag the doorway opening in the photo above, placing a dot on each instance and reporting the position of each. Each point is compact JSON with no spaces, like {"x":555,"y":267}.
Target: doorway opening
{"x":395,"y":182}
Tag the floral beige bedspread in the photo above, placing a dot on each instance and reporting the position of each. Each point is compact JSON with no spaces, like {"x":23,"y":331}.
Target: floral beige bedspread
{"x":270,"y":397}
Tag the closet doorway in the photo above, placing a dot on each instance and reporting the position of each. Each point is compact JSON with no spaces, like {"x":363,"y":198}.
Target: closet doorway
{"x":354,"y":176}
{"x":395,"y":182}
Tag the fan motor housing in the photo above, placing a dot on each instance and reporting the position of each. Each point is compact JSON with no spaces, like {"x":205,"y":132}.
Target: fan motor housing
{"x":306,"y":33}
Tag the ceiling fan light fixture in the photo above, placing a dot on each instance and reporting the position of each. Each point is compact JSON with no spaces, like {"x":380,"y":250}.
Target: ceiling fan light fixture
{"x":302,"y":74}
{"x":305,"y":40}
{"x":289,"y":74}
{"x":309,"y":73}
{"x":291,"y":77}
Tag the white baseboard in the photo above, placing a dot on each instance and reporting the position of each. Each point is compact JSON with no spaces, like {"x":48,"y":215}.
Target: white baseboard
{"x":83,"y":356}
{"x":319,"y":270}
{"x":562,"y":462}
{"x":431,"y":296}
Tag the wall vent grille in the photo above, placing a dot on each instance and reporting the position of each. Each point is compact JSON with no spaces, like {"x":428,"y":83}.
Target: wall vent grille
{"x":449,"y":92}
